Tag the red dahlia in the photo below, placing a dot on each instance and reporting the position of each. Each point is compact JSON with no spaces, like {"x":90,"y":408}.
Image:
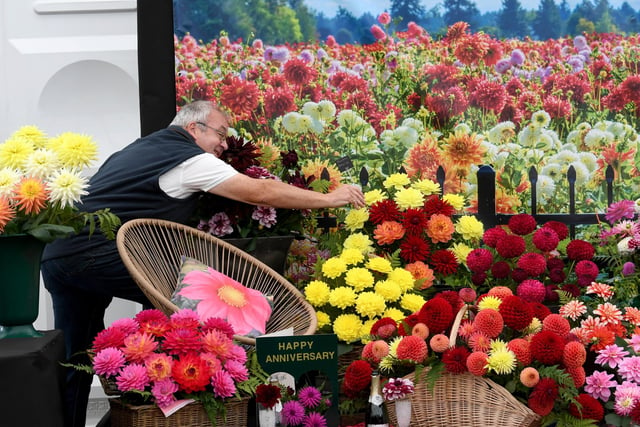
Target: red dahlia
{"x":437,"y":314}
{"x":545,"y":239}
{"x":406,"y":326}
{"x":533,"y":263}
{"x":444,"y":262}
{"x":413,"y":249}
{"x":493,"y":235}
{"x":587,"y":269}
{"x":110,"y":337}
{"x":520,"y":347}
{"x":384,"y":328}
{"x":578,"y":250}
{"x":543,"y":396}
{"x":357,"y":378}
{"x":589,"y":408}
{"x":540,"y":310}
{"x":298,"y":72}
{"x":385,"y":210}
{"x":522,"y":224}
{"x":479,"y":260}
{"x":547,"y":347}
{"x":191,"y":372}
{"x":452,"y":298}
{"x":518,"y":275}
{"x":435,"y":205}
{"x":182,"y":341}
{"x":560,"y":228}
{"x":500,"y":269}
{"x":516,"y":312}
{"x":415,"y":221}
{"x":510,"y":246}
{"x":278,"y":102}
{"x":531,"y":290}
{"x":455,"y":359}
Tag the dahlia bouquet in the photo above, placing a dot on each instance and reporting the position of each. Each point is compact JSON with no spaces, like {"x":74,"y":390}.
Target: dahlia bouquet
{"x":258,"y":159}
{"x":389,"y":254}
{"x":533,"y":261}
{"x":518,"y":344}
{"x":611,"y":333}
{"x":41,"y":185}
{"x":172,"y":361}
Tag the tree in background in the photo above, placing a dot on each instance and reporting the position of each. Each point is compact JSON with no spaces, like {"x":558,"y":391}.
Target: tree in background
{"x":461,"y":10}
{"x":627,"y":19}
{"x":582,"y":18}
{"x":409,"y":10}
{"x":548,"y":24}
{"x":512,"y":20}
{"x":305,"y":19}
{"x":604,"y":22}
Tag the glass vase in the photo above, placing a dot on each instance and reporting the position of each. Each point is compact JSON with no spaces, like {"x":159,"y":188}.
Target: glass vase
{"x":403,"y":412}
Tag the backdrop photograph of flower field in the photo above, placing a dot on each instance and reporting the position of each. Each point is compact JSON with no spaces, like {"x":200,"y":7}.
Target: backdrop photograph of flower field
{"x":411,"y":101}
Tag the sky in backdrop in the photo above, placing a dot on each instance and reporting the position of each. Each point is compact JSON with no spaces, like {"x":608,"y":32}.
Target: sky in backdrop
{"x":358,"y":7}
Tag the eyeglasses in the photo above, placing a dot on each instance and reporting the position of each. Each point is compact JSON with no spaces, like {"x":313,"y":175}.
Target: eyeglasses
{"x":222,"y":133}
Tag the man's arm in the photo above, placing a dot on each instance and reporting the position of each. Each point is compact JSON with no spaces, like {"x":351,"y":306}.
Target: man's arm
{"x":269,"y":192}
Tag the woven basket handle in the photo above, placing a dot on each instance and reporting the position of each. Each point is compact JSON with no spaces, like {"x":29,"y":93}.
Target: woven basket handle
{"x":456,"y":325}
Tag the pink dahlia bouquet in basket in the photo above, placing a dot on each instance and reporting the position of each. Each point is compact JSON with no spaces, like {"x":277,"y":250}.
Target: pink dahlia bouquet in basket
{"x":512,"y":340}
{"x":173,"y":361}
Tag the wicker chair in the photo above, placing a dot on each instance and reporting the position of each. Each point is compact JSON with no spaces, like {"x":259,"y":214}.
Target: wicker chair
{"x":152,"y":251}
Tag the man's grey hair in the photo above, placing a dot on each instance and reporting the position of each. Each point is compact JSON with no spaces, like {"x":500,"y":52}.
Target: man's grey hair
{"x":197,"y":111}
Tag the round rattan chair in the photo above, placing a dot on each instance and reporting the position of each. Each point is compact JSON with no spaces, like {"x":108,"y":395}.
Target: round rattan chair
{"x":152,"y":251}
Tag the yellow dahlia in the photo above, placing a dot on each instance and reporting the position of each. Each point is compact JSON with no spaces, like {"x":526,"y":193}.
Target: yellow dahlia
{"x":351,"y":256}
{"x":501,"y":362}
{"x":32,"y":134}
{"x":470,"y":228}
{"x":489,"y":302}
{"x":14,"y":153}
{"x":379,"y":264}
{"x":356,"y":218}
{"x":455,"y":200}
{"x":403,"y":278}
{"x":323,"y":319}
{"x":396,"y":180}
{"x":409,"y":198}
{"x":373,"y":196}
{"x":388,"y":289}
{"x":342,"y":297}
{"x":426,"y":187}
{"x":412,"y":302}
{"x":75,"y":150}
{"x":360,"y":278}
{"x":370,"y":304}
{"x":359,"y":241}
{"x":394,"y":313}
{"x":334,"y":267}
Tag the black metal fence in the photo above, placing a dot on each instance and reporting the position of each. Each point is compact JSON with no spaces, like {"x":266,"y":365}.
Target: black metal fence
{"x":487,"y":200}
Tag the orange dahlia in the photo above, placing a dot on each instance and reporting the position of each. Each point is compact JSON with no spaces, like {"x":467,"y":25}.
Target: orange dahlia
{"x":6,"y":213}
{"x":388,"y":232}
{"x":529,"y":376}
{"x":31,"y":196}
{"x":477,"y":363}
{"x":489,"y":322}
{"x":191,"y":373}
{"x":440,"y":228}
{"x":423,"y":159}
{"x":574,"y":354}
{"x":463,"y":150}
{"x":315,"y":167}
{"x":413,"y":348}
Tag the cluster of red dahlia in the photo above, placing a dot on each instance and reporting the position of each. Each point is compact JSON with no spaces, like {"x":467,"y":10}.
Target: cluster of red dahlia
{"x":533,"y":261}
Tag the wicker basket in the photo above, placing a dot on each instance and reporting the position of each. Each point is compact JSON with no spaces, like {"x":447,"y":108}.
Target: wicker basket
{"x":192,"y":415}
{"x":464,"y":400}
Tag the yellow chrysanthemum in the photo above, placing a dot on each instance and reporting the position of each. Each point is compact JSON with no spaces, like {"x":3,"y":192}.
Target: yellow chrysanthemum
{"x":412,"y":302}
{"x":534,"y":327}
{"x":388,"y":289}
{"x":379,"y":264}
{"x":455,"y":200}
{"x":489,"y":302}
{"x":9,"y":178}
{"x":396,"y":180}
{"x":15,"y":152}
{"x":342,"y":297}
{"x":67,"y":187}
{"x":351,"y":256}
{"x":497,"y":345}
{"x":7,"y":213}
{"x":75,"y":150}
{"x":41,"y":163}
{"x":323,"y":319}
{"x":409,"y":198}
{"x":394,"y":313}
{"x":373,"y":196}
{"x":31,"y":196}
{"x":359,"y":241}
{"x":334,"y":267}
{"x":501,"y":362}
{"x":317,"y":293}
{"x":470,"y":228}
{"x":403,"y":278}
{"x":426,"y":187}
{"x":461,"y":251}
{"x":360,"y":278}
{"x":356,"y":218}
{"x":370,"y":304}
{"x":32,"y":134}
{"x":347,"y":327}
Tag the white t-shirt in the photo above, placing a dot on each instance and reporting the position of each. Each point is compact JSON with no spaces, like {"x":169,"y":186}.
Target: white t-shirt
{"x":199,"y":173}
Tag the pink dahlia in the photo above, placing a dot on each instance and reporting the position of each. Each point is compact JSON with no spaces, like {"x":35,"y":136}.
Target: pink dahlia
{"x":133,"y":377}
{"x":533,"y":263}
{"x":619,"y":210}
{"x":492,"y":236}
{"x":531,"y":290}
{"x":108,"y":362}
{"x":545,"y":239}
{"x":479,"y":260}
{"x":222,"y":383}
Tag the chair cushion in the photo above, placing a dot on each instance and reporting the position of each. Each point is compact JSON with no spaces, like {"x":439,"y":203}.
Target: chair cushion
{"x":213,"y":294}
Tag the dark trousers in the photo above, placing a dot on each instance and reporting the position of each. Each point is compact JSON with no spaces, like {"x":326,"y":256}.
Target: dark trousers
{"x":82,"y":287}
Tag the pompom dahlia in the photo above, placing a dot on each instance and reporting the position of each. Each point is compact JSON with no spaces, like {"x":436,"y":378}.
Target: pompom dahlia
{"x":522,"y":224}
{"x":547,"y":347}
{"x":437,"y":314}
{"x":516,"y":312}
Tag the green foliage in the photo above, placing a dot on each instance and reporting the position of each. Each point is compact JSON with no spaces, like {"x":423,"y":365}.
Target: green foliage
{"x":564,"y":419}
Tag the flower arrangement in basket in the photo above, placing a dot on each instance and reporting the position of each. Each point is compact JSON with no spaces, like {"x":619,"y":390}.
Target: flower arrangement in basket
{"x":611,"y":333}
{"x":173,"y":361}
{"x":389,"y":254}
{"x":41,"y":184}
{"x":513,"y":341}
